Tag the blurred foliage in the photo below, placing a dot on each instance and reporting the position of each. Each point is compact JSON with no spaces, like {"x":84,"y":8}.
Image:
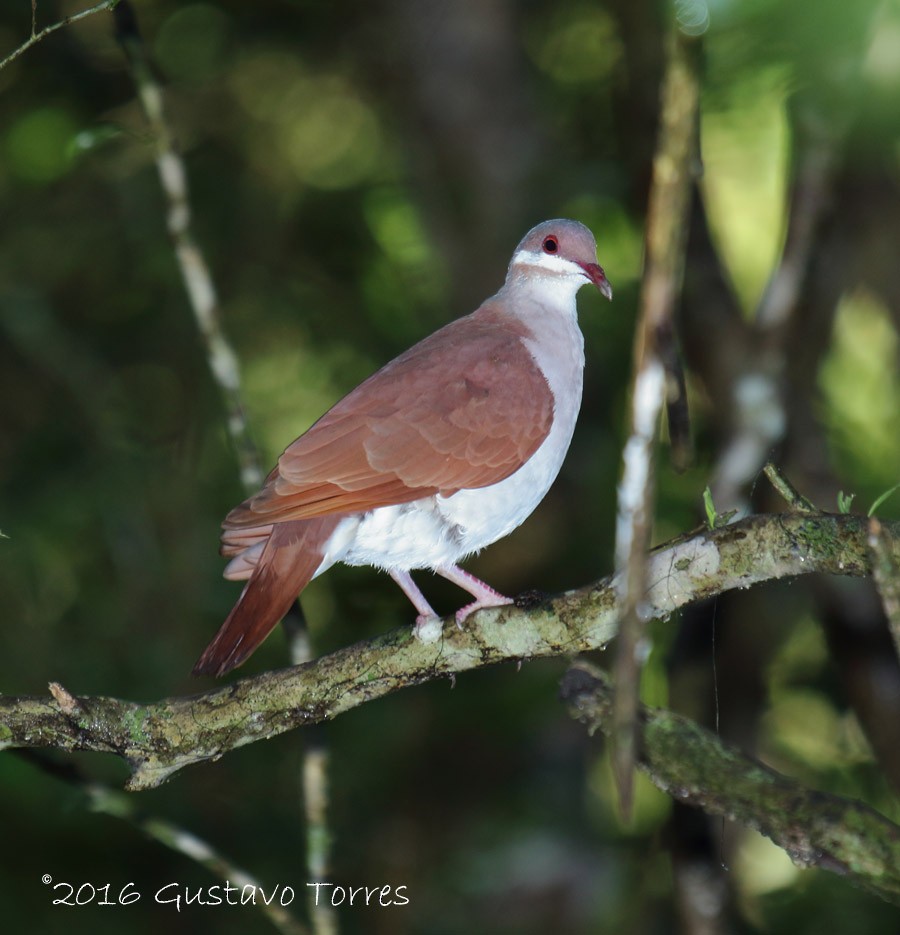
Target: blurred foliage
{"x":745,"y":153}
{"x":332,"y":183}
{"x":861,"y":390}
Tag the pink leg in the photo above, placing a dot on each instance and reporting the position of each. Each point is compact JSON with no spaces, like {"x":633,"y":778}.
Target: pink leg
{"x":410,"y":589}
{"x":484,"y":594}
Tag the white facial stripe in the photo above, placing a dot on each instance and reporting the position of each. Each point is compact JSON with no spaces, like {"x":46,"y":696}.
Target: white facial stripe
{"x":548,"y":261}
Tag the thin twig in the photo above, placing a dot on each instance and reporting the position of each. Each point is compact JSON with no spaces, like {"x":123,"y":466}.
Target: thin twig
{"x":47,"y":30}
{"x":788,"y":491}
{"x":318,"y":834}
{"x":198,"y":281}
{"x":119,"y":805}
{"x":101,"y":798}
{"x":223,"y":362}
{"x":818,"y":137}
{"x":674,"y":167}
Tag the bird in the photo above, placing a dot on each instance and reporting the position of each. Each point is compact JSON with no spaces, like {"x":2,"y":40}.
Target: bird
{"x":441,"y":452}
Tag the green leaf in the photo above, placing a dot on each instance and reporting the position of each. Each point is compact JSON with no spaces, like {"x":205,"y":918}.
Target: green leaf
{"x":715,"y":519}
{"x":881,"y":500}
{"x":710,"y":507}
{"x":844,"y":501}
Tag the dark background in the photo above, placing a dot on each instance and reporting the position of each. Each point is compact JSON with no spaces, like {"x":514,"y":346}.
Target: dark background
{"x":360,"y":173}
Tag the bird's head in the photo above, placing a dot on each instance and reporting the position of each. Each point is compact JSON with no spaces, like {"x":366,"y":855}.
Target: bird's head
{"x":560,"y":248}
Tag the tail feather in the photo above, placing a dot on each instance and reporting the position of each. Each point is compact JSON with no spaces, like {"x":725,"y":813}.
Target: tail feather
{"x":287,"y":564}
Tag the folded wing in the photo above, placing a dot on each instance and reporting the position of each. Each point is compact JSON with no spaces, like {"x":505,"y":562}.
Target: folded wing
{"x":464,"y":408}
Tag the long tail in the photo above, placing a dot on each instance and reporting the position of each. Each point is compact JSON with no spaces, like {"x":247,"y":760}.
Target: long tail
{"x":287,"y":564}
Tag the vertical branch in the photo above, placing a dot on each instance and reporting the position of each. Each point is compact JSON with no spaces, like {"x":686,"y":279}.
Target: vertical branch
{"x":887,"y":577}
{"x":673,"y":171}
{"x":318,"y":837}
{"x":810,"y":198}
{"x":223,"y":362}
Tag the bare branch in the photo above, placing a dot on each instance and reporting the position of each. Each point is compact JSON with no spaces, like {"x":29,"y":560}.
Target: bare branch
{"x":318,"y":834}
{"x":47,"y":30}
{"x":198,"y":281}
{"x":819,"y":145}
{"x":674,"y":167}
{"x":111,"y":802}
{"x":788,"y":491}
{"x":101,"y":798}
{"x":224,"y":367}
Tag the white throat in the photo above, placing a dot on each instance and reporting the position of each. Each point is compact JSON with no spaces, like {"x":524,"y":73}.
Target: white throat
{"x":549,"y":261}
{"x":550,"y":280}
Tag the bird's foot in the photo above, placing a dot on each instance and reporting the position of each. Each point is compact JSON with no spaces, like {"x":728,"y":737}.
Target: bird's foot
{"x":495,"y":599}
{"x":428,"y":628}
{"x":484,"y":594}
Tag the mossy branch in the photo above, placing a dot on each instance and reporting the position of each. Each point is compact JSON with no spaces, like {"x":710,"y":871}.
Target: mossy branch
{"x":159,"y":738}
{"x":689,"y":763}
{"x":693,"y":766}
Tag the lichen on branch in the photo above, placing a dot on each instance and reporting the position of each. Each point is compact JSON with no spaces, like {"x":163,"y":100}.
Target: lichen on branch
{"x":693,"y":766}
{"x":160,"y":738}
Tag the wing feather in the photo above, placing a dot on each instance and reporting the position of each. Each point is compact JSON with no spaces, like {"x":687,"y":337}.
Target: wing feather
{"x":464,"y":408}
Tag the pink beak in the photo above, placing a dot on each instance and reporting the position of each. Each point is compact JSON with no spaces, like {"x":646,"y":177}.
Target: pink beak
{"x":595,"y":273}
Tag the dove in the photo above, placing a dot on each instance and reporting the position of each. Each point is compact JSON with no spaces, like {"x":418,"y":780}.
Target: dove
{"x":441,"y":452}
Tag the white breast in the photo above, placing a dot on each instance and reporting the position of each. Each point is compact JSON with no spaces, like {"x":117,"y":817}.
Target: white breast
{"x":441,"y":531}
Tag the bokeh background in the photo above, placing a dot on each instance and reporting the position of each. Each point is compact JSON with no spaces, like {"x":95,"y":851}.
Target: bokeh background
{"x":359,"y":174}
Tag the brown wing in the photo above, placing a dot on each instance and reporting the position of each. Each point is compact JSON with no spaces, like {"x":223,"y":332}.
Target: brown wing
{"x":464,"y":408}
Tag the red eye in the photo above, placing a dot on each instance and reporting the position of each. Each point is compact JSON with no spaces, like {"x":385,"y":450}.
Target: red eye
{"x":550,"y":245}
